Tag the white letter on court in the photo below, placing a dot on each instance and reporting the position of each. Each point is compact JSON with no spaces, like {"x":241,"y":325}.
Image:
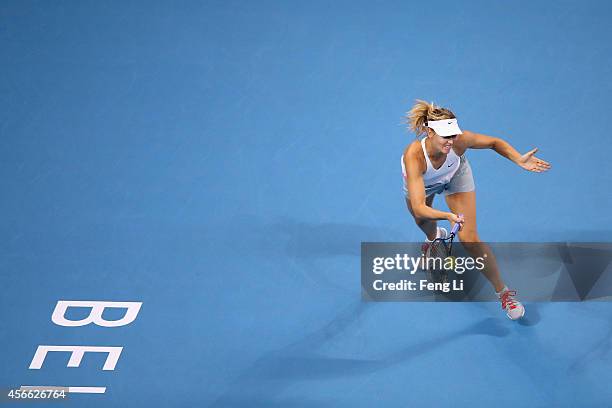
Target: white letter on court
{"x":95,"y":316}
{"x":76,"y":355}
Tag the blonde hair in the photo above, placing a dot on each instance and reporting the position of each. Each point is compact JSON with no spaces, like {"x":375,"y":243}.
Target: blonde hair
{"x":423,"y":111}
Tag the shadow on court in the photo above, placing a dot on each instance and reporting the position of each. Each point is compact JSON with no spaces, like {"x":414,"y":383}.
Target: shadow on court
{"x":263,"y":382}
{"x":301,"y":239}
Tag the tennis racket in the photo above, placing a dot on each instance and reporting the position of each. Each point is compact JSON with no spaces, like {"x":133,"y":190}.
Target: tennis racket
{"x":437,"y":252}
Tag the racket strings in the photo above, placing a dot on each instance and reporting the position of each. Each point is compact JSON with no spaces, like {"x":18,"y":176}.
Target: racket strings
{"x":435,"y":256}
{"x":437,"y":250}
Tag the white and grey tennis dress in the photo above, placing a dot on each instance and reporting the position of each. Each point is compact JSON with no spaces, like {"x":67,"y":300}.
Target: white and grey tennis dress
{"x":454,"y":176}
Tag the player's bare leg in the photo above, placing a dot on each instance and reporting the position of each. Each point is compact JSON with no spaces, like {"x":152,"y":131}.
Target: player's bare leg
{"x":465,"y":203}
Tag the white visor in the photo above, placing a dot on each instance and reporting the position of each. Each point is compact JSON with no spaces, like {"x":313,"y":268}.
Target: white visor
{"x":445,"y":128}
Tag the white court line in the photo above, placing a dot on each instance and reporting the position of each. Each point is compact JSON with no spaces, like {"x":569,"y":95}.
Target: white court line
{"x":87,"y":390}
{"x":73,"y":390}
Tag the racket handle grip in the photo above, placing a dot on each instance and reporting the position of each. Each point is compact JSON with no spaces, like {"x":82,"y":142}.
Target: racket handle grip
{"x":456,"y":227}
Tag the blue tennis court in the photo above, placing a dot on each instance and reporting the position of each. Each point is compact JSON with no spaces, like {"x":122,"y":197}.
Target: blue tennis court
{"x":221,"y":162}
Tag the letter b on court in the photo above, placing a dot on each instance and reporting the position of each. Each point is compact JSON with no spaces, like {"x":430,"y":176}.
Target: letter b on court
{"x":95,"y":316}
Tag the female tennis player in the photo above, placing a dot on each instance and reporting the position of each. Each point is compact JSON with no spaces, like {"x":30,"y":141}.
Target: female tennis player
{"x":436,"y":164}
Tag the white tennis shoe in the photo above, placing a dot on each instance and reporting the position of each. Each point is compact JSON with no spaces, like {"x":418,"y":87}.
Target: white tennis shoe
{"x":440,"y":233}
{"x":513,"y":308}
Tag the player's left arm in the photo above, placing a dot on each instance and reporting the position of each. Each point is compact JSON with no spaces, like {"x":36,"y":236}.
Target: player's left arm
{"x":528,"y":161}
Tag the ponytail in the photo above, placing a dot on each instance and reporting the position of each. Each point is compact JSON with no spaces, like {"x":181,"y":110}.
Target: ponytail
{"x":421,"y":112}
